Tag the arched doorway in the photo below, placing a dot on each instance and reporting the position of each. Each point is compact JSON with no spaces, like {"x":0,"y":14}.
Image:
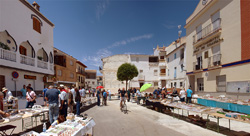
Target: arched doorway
{"x":27,"y":53}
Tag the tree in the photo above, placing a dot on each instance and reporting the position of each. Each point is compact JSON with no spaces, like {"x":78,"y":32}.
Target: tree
{"x":126,"y":72}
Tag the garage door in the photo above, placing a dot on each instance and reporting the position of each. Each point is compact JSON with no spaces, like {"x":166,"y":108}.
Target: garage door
{"x":221,"y":83}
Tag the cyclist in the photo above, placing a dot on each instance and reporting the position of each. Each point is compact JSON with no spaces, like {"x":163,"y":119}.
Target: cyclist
{"x":122,"y":97}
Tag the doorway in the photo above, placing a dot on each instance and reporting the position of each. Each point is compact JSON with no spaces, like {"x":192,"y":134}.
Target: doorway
{"x":200,"y":84}
{"x":141,"y":84}
{"x":2,"y":81}
{"x":163,"y":83}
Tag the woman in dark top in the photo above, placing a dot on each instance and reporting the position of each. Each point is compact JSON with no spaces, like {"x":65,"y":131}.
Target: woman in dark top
{"x":78,"y":101}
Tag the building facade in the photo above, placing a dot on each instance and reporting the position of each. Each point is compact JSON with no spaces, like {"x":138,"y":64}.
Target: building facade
{"x":147,"y":71}
{"x":81,"y":74}
{"x":26,"y":45}
{"x":90,"y":81}
{"x":172,"y":62}
{"x":99,"y":80}
{"x":65,"y":69}
{"x":217,"y":44}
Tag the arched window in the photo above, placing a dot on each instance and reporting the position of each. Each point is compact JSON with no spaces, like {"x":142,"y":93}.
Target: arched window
{"x":36,"y":25}
{"x":22,"y":50}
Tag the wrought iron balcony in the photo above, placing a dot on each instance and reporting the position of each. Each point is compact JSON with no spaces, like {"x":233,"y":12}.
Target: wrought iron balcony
{"x":197,"y":66}
{"x":208,"y":30}
{"x":214,"y":61}
{"x":7,"y":55}
{"x":27,"y":60}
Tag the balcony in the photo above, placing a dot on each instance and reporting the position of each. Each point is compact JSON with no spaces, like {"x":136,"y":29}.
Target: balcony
{"x":209,"y":30}
{"x":197,"y":67}
{"x":214,"y":61}
{"x":7,"y":55}
{"x":27,"y":60}
{"x":162,"y":74}
{"x":42,"y":64}
{"x":51,"y":67}
{"x":153,"y":64}
{"x":141,"y":77}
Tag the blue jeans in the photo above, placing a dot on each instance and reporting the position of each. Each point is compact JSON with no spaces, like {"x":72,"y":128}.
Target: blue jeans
{"x":78,"y":108}
{"x":98,"y":101}
{"x":109,"y":96}
{"x":53,"y":112}
{"x":29,"y":104}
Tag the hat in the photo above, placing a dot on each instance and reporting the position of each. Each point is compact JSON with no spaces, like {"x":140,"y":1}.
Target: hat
{"x":4,"y":89}
{"x":61,"y":85}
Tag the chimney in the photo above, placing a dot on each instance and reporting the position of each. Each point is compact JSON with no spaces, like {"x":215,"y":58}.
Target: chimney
{"x":36,"y":6}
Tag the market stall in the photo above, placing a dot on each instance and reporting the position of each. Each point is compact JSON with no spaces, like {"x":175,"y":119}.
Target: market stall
{"x":76,"y":126}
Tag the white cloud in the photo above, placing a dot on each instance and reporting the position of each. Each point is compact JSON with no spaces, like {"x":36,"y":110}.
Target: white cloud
{"x":94,"y":61}
{"x":132,"y":39}
{"x":169,"y":26}
{"x":101,"y":8}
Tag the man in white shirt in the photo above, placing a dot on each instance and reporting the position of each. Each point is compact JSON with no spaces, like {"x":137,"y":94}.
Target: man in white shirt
{"x":7,"y":93}
{"x":74,"y":93}
{"x":109,"y":94}
{"x":182,"y":95}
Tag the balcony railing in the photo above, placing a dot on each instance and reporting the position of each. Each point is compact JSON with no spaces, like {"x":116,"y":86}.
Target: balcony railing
{"x":27,"y":60}
{"x":162,"y":74}
{"x":42,"y":64}
{"x":7,"y":55}
{"x":51,"y":67}
{"x":196,"y":66}
{"x":141,"y":77}
{"x":214,"y":60}
{"x":209,"y":29}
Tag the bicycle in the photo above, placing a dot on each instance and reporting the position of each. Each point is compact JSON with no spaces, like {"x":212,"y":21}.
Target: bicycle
{"x":124,"y":107}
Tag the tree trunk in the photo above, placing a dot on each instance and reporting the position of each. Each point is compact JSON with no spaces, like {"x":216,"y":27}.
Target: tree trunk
{"x":126,"y":84}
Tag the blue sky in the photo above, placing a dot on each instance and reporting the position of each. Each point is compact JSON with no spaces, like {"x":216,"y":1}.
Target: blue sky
{"x":89,"y":30}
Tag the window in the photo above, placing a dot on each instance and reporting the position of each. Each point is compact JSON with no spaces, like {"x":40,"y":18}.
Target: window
{"x":180,"y":84}
{"x":175,"y":69}
{"x":141,"y":71}
{"x":206,"y":54}
{"x":79,"y":79}
{"x":171,"y":85}
{"x":168,"y":72}
{"x":36,"y":25}
{"x":161,"y":57}
{"x":88,"y":81}
{"x":71,"y":75}
{"x":175,"y":84}
{"x":163,"y":71}
{"x":175,"y":56}
{"x":155,"y":72}
{"x":93,"y":83}
{"x":71,"y":62}
{"x":182,"y":67}
{"x":168,"y":59}
{"x":59,"y":72}
{"x":22,"y":50}
{"x":182,"y":53}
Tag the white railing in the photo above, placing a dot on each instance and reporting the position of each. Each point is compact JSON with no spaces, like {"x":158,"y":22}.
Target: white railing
{"x":51,"y":67}
{"x":214,"y":60}
{"x":27,"y":60}
{"x":209,"y":29}
{"x":42,"y":64}
{"x":7,"y":55}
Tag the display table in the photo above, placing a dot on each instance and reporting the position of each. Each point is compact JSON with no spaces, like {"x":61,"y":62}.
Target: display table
{"x":224,"y":105}
{"x":78,"y":127}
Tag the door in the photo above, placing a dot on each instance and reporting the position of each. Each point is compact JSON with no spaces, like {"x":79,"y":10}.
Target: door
{"x":2,"y":81}
{"x":163,"y":83}
{"x":191,"y":82}
{"x":141,"y":84}
{"x":221,"y":83}
{"x":200,"y":84}
{"x":23,"y":50}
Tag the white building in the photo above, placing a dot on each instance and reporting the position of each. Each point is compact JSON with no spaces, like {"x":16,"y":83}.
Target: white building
{"x":91,"y":80}
{"x":26,"y":45}
{"x":176,"y":62}
{"x":147,"y":71}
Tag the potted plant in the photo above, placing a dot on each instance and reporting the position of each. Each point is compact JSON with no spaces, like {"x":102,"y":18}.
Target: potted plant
{"x":39,"y":57}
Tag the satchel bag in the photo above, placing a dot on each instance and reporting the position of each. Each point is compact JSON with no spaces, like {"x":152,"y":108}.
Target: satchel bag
{"x":32,"y":98}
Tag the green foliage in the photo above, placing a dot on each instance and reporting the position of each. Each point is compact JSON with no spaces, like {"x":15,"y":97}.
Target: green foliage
{"x":4,"y":46}
{"x":40,"y":58}
{"x":126,"y":72}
